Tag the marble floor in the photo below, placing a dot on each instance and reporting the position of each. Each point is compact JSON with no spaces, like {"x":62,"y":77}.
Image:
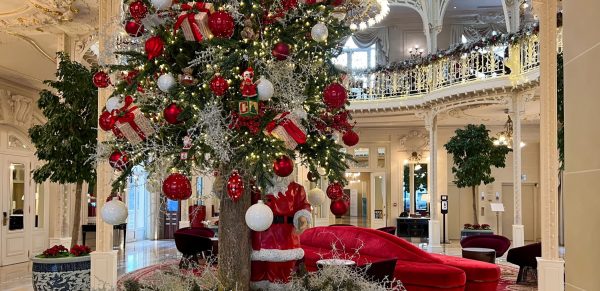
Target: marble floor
{"x":141,"y":254}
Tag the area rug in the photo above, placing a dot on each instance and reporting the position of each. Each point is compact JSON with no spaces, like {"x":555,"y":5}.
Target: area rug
{"x":508,"y":276}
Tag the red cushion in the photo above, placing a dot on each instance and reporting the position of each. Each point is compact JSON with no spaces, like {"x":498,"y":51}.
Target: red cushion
{"x":475,"y":270}
{"x":429,"y":275}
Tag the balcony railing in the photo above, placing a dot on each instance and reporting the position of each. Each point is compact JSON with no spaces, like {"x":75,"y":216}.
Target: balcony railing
{"x":512,"y":61}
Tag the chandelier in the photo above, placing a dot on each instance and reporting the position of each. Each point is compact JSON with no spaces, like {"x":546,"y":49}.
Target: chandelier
{"x":415,"y":157}
{"x":352,"y":177}
{"x":361,"y":14}
{"x":505,"y":137}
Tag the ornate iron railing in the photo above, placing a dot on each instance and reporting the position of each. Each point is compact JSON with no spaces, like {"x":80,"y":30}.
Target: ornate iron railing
{"x":511,"y":61}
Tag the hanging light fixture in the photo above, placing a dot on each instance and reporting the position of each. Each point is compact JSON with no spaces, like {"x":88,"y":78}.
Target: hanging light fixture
{"x":362,"y":14}
{"x":505,"y":137}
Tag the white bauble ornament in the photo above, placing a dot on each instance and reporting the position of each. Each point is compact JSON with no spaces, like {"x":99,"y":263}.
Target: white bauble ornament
{"x":316,"y":197}
{"x":265,"y":89}
{"x":161,"y":4}
{"x":165,"y":82}
{"x":114,"y":212}
{"x":259,"y":216}
{"x":321,"y":171}
{"x":113,"y":103}
{"x":319,"y":32}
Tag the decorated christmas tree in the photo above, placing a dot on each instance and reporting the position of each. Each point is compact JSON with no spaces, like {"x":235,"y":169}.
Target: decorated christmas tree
{"x":236,"y":89}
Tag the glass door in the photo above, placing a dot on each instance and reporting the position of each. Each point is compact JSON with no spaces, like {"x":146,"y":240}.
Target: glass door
{"x":16,"y":210}
{"x":378,"y":200}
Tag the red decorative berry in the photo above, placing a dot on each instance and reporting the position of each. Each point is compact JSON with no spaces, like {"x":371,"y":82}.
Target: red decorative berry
{"x":335,"y":191}
{"x":281,"y":51}
{"x":350,"y":138}
{"x":219,"y":85}
{"x":171,"y":113}
{"x":154,"y":47}
{"x":177,"y":187}
{"x":335,"y":96}
{"x":221,"y":24}
{"x":134,"y":28}
{"x":283,"y":166}
{"x":138,"y":10}
{"x":101,"y":79}
{"x":118,"y":160}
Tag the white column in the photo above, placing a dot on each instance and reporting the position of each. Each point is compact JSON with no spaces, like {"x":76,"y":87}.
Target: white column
{"x":434,"y":223}
{"x":432,"y":36}
{"x":550,"y":265}
{"x":411,"y":187}
{"x":184,"y":220}
{"x":512,"y":15}
{"x":518,"y":230}
{"x":104,"y":259}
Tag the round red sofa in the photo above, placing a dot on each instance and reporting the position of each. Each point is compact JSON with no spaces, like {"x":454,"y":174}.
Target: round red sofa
{"x":417,"y":269}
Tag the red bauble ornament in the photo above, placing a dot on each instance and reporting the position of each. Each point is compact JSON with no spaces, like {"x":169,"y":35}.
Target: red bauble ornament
{"x":335,"y":191}
{"x":154,"y":47}
{"x":106,"y":121}
{"x":219,"y":85}
{"x":338,"y":207}
{"x":235,"y":186}
{"x":171,"y":113}
{"x":221,"y":24}
{"x":281,"y":51}
{"x":350,"y":138}
{"x":312,"y":177}
{"x":335,"y":96}
{"x":283,"y":166}
{"x":134,"y":28}
{"x":138,"y":10}
{"x":118,"y":160}
{"x":177,"y":187}
{"x":101,"y":79}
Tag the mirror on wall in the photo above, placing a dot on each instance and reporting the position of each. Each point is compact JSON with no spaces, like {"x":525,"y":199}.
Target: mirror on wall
{"x":17,"y":201}
{"x":415,"y":186}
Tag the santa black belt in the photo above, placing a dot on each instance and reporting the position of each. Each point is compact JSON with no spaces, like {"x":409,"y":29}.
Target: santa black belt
{"x":283,"y":219}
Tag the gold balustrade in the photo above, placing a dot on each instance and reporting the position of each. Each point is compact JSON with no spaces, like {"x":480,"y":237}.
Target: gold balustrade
{"x":509,"y":61}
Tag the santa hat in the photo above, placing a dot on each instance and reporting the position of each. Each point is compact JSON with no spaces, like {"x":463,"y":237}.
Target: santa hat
{"x":250,"y":70}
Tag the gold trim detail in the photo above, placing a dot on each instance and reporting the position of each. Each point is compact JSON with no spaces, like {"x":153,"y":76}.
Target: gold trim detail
{"x":34,"y":44}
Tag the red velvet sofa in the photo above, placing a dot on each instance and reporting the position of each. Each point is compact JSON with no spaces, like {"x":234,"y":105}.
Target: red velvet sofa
{"x":417,"y":269}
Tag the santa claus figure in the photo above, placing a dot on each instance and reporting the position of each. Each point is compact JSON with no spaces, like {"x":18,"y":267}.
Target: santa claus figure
{"x":248,"y":87}
{"x":276,"y":250}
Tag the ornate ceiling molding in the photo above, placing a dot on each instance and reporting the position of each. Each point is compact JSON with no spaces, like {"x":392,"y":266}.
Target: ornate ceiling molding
{"x":34,"y":44}
{"x":18,"y":110}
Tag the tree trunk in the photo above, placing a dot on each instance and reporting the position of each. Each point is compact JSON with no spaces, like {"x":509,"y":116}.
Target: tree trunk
{"x":234,"y":243}
{"x":475,"y":216}
{"x":76,"y":214}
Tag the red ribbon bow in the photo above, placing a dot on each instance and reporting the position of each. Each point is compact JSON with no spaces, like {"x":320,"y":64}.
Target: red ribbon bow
{"x":200,"y":6}
{"x":290,"y":127}
{"x":126,"y":115}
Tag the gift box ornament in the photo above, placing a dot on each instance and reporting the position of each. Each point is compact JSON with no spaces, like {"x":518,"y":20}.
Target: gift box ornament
{"x":195,"y":25}
{"x":288,"y":128}
{"x":132,"y":124}
{"x":248,"y":107}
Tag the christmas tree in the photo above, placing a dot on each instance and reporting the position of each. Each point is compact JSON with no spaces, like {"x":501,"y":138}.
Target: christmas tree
{"x":68,"y":138}
{"x":235,"y":89}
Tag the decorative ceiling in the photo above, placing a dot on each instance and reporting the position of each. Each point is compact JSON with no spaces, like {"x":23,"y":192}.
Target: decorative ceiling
{"x":31,"y":32}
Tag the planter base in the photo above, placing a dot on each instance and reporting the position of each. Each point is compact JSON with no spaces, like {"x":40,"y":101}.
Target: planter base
{"x":61,"y":274}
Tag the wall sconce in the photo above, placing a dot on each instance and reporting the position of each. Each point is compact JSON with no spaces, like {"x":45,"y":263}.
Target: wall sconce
{"x":482,"y":196}
{"x":497,"y":196}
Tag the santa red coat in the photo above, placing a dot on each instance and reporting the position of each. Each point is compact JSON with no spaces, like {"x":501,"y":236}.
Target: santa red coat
{"x":276,"y":250}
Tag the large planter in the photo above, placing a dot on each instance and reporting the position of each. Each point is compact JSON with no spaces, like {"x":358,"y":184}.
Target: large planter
{"x":469,"y":232}
{"x":61,"y":274}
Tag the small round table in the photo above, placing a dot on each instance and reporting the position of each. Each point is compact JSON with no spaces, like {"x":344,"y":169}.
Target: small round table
{"x":480,"y":254}
{"x":335,"y":262}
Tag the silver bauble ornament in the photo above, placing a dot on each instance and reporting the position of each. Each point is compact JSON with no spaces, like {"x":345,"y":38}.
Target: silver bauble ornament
{"x":265,"y":89}
{"x":259,"y":216}
{"x":165,"y":82}
{"x":319,"y":32}
{"x":114,"y":212}
{"x":316,"y":197}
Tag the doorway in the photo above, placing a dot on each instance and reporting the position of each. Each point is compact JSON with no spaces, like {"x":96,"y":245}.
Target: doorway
{"x":530,"y":212}
{"x":171,"y":218}
{"x":378,"y":200}
{"x":138,"y":204}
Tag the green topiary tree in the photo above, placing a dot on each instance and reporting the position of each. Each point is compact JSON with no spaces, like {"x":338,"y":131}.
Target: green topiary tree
{"x":67,"y":141}
{"x":474,"y":155}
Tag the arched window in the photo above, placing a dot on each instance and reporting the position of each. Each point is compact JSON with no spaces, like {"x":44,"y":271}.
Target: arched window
{"x":356,"y":58}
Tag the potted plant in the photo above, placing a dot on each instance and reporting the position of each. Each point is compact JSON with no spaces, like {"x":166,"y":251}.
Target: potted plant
{"x":474,"y":154}
{"x":58,"y":268}
{"x":68,"y":138}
